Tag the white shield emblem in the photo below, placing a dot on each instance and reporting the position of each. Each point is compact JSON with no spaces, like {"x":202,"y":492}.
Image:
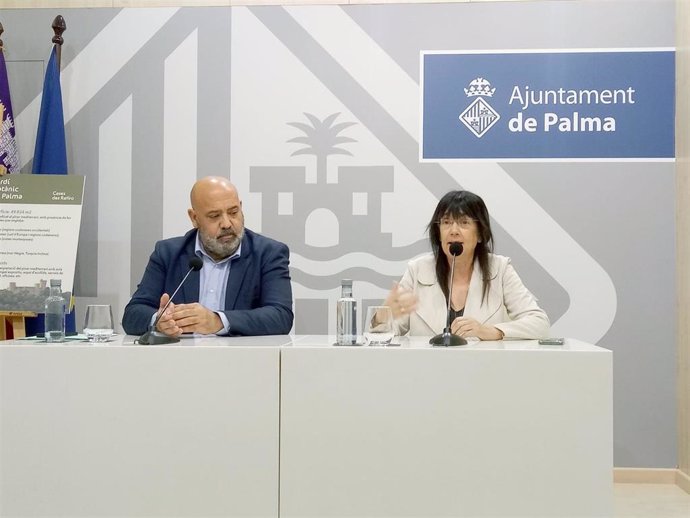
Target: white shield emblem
{"x":479,"y":117}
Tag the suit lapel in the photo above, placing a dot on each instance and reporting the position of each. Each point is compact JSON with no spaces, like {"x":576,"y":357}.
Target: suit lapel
{"x":474,"y":308}
{"x":190,"y":290}
{"x":238,"y":271}
{"x":432,"y":304}
{"x":191,"y":287}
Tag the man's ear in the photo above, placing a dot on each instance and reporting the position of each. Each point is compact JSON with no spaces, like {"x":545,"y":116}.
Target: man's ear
{"x":192,"y":217}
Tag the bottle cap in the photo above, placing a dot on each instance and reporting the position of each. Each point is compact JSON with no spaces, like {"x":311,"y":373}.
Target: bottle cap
{"x":346,"y":282}
{"x":55,"y":283}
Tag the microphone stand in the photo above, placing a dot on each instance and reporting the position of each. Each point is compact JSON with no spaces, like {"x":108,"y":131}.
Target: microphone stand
{"x":153,"y":337}
{"x":448,"y":339}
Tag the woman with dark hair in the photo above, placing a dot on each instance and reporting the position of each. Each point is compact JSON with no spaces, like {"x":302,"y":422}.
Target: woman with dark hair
{"x":489,"y":301}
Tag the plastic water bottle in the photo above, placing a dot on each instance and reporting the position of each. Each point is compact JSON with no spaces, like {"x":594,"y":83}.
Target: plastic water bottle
{"x":346,"y":316}
{"x":55,"y":313}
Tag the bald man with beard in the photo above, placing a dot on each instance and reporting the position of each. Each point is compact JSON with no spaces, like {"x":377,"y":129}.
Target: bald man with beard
{"x":243,"y":288}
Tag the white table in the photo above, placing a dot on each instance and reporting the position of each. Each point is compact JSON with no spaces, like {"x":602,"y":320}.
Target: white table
{"x":490,"y":429}
{"x":508,"y":429}
{"x":113,"y":430}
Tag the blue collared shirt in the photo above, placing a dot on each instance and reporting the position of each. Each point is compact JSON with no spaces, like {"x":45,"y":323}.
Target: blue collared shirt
{"x":213,"y":282}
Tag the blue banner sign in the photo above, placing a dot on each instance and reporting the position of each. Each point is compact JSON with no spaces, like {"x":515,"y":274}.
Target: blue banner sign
{"x":532,"y":105}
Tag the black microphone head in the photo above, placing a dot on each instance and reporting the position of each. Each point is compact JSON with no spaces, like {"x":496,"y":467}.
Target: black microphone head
{"x":195,"y":263}
{"x":455,"y":248}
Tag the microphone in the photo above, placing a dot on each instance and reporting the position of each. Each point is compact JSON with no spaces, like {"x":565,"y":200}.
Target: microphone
{"x":455,"y":248}
{"x":153,"y":337}
{"x":446,"y":338}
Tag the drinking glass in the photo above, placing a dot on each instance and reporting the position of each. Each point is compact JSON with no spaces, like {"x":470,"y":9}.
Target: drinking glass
{"x":98,"y":326}
{"x":378,"y":326}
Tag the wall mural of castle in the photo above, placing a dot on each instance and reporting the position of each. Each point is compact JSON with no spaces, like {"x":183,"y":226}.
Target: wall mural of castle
{"x":329,"y":215}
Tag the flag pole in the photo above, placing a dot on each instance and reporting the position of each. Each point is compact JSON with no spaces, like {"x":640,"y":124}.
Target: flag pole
{"x":50,"y":151}
{"x":59,"y":26}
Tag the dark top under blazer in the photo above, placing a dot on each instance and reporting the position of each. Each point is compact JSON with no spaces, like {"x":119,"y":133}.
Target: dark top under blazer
{"x":258,"y":298}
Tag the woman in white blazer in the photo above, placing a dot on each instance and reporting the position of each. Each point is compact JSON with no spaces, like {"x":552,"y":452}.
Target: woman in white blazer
{"x":489,"y":300}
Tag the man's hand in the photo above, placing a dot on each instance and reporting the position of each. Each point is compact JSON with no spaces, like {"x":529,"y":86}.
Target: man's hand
{"x":195,"y":318}
{"x":166,"y":324}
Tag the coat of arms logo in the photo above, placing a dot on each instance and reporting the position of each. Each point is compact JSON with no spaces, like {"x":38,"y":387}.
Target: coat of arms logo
{"x":479,"y":116}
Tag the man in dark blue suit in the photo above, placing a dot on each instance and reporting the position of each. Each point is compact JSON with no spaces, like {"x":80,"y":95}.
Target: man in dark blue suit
{"x":243,"y":287}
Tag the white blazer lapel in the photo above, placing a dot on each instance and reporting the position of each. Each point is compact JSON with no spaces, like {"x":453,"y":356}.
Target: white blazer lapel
{"x":431,"y":302}
{"x":474,"y":308}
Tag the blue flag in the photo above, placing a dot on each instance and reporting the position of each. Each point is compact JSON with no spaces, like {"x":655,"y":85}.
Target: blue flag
{"x":50,"y":154}
{"x":9,"y":157}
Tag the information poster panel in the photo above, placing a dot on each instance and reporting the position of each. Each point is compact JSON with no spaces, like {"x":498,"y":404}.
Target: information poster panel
{"x":40,"y":217}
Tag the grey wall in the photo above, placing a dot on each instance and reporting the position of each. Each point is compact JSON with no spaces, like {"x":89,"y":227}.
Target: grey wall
{"x":155,"y":98}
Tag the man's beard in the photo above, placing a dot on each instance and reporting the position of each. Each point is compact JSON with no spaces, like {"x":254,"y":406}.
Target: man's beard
{"x":218,"y":249}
